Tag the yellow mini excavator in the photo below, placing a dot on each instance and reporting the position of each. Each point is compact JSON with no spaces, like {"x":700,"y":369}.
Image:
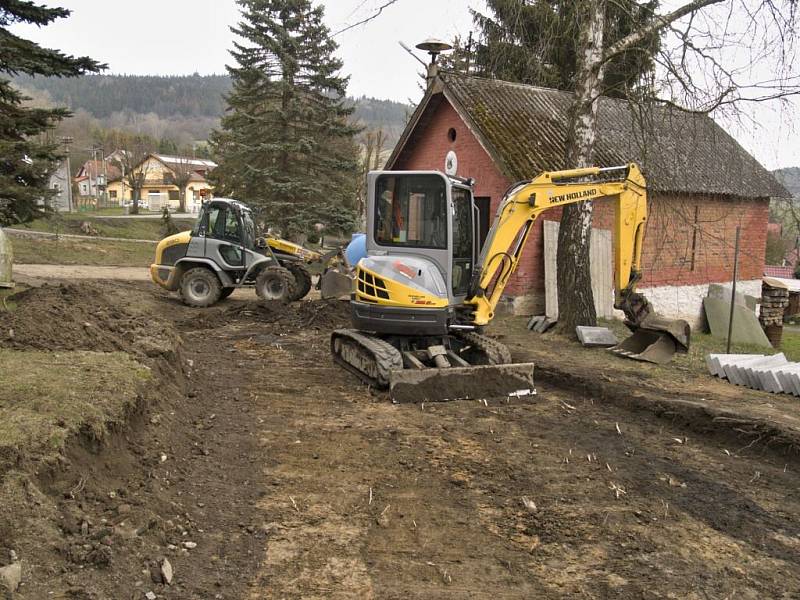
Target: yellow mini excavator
{"x":425,"y":291}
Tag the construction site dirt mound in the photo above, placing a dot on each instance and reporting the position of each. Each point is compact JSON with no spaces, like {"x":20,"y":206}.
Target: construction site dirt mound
{"x":98,"y":317}
{"x":309,"y":314}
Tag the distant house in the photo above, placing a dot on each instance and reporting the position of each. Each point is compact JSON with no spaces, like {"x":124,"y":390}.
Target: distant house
{"x":93,"y":175}
{"x":161,"y":172}
{"x":59,"y":183}
{"x":702,"y":183}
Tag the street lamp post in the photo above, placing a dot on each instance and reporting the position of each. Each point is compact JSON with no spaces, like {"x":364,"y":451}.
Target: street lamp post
{"x":67,"y":140}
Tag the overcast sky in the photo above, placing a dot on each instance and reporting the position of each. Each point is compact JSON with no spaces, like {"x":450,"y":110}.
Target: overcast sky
{"x":187,"y":36}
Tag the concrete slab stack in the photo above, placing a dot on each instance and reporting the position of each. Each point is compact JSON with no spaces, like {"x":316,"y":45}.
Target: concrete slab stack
{"x":769,"y":373}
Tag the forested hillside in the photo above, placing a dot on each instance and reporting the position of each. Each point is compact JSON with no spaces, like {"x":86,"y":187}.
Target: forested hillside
{"x":790,"y":178}
{"x":188,"y":105}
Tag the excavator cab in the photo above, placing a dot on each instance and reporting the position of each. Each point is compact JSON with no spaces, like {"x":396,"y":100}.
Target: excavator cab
{"x":421,"y":251}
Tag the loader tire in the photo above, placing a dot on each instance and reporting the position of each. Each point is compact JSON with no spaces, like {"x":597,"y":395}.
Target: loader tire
{"x":276,"y":283}
{"x":200,"y":287}
{"x":302,"y":280}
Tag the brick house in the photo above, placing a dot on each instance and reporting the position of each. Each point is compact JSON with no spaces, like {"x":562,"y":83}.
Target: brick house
{"x":701,"y":182}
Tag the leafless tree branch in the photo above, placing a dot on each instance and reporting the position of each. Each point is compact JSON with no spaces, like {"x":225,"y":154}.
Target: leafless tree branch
{"x":372,"y":17}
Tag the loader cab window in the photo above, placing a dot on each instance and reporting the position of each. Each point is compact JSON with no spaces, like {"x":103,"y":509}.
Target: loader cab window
{"x":248,"y":230}
{"x":411,"y":211}
{"x":207,"y":222}
{"x":231,"y":231}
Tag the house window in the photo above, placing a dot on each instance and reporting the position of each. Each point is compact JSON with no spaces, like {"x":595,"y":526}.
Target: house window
{"x":451,"y":135}
{"x":112,"y":194}
{"x":153,"y":192}
{"x":174,"y":195}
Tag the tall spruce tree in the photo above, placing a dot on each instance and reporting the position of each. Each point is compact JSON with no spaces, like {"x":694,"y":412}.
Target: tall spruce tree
{"x":26,"y":161}
{"x":286,"y":145}
{"x":537,"y":42}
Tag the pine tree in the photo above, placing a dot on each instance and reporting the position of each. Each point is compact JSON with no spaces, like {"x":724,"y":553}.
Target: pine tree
{"x":537,"y":42}
{"x":286,"y":145}
{"x":25,"y":161}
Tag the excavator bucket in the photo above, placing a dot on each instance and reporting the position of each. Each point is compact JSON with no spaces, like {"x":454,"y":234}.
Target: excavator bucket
{"x":334,"y":283}
{"x":656,"y":340}
{"x":461,"y":383}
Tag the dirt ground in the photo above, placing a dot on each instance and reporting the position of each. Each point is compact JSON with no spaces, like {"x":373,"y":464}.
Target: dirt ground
{"x":259,"y":469}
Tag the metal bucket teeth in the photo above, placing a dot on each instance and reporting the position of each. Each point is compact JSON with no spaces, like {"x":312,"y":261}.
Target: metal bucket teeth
{"x":656,"y":340}
{"x":461,"y":383}
{"x":648,"y":346}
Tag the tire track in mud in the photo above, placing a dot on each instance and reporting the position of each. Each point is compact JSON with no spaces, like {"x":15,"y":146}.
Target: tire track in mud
{"x":365,"y":499}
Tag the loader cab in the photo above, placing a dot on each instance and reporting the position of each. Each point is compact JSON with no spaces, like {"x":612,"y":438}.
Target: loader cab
{"x":225,"y":232}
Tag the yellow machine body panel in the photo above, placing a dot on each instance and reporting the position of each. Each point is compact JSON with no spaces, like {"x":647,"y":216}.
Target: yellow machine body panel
{"x":297,"y":250}
{"x":378,"y":289}
{"x":161,"y":271}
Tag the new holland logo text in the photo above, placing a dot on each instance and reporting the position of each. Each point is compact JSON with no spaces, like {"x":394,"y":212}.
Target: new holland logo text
{"x":574,"y":196}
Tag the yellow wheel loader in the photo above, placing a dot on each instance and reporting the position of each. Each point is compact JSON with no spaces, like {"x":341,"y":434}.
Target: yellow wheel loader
{"x":425,"y":291}
{"x":222,"y":253}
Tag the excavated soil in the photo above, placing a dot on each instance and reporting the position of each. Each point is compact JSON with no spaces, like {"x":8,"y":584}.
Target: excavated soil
{"x":259,"y":469}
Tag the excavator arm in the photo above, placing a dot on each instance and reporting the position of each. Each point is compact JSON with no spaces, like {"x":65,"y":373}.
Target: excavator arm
{"x":523,"y":204}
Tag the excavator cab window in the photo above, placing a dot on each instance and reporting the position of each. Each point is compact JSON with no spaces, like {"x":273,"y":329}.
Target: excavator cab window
{"x":411,"y":211}
{"x":463,"y":240}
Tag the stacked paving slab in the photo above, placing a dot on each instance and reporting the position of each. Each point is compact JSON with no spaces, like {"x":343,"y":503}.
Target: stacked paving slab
{"x":771,"y":373}
{"x":773,"y":303}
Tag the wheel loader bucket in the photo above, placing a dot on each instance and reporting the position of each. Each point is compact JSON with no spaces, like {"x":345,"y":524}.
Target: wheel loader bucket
{"x":656,"y":340}
{"x":335,"y":284}
{"x":461,"y":383}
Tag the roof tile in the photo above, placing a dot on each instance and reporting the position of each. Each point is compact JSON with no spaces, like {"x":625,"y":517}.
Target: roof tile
{"x":524,"y":128}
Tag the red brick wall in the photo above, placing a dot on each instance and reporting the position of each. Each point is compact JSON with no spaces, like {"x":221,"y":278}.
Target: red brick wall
{"x":668,"y":253}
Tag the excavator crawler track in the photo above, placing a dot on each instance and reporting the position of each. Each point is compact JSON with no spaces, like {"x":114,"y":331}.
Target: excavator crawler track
{"x":371,"y":359}
{"x":494,"y":352}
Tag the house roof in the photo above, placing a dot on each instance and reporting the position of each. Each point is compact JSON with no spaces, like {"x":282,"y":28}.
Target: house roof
{"x":523,"y":128}
{"x":93,"y":168}
{"x":194,"y":163}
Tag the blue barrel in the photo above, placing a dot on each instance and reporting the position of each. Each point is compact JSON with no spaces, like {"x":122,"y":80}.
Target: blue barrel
{"x":356,"y":249}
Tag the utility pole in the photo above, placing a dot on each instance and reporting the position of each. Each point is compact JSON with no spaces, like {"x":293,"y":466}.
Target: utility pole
{"x":733,"y":289}
{"x":105,"y":177}
{"x":67,"y":140}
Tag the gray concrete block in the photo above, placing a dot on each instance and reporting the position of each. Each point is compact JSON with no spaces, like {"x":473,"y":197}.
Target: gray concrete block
{"x":596,"y":337}
{"x":545,"y":325}
{"x":768,"y":380}
{"x":789,"y":376}
{"x":734,"y":369}
{"x":757,"y":372}
{"x":785,"y":379}
{"x":535,"y":320}
{"x":746,"y":328}
{"x":722,"y":291}
{"x":716,"y":362}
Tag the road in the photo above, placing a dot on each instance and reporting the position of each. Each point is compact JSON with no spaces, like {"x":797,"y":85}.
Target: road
{"x":27,"y":273}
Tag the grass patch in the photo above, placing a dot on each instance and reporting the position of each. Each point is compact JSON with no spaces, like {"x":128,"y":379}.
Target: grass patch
{"x":133,"y":228}
{"x":48,"y":397}
{"x":67,"y":251}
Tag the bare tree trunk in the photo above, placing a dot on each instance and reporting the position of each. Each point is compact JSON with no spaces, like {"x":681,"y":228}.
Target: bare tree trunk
{"x":575,"y":300}
{"x":182,"y":199}
{"x":137,"y":193}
